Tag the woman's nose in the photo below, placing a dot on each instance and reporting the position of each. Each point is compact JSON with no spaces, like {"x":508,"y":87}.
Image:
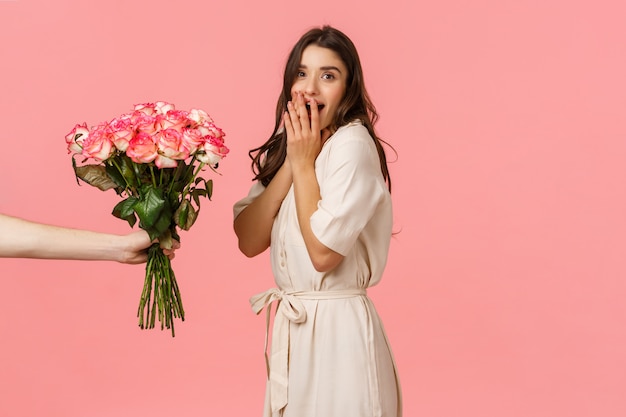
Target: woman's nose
{"x":310,"y":88}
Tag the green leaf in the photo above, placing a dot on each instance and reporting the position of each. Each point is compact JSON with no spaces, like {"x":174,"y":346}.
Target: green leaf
{"x":165,"y":240}
{"x":181,"y":214}
{"x":115,"y":175}
{"x":149,"y":207}
{"x":188,"y":175}
{"x":191,"y":218}
{"x":197,"y":193}
{"x":178,"y":186}
{"x":96,"y":176}
{"x":162,"y":224}
{"x":130,"y":170}
{"x":125,"y":210}
{"x":174,"y":197}
{"x":154,"y":211}
{"x":209,"y":188}
{"x":186,"y":215}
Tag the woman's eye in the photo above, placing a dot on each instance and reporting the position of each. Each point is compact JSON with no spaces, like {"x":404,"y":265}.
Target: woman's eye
{"x":328,"y":76}
{"x":301,"y":74}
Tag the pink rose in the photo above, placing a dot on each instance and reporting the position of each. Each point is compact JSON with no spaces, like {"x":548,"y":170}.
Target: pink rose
{"x":164,"y":162}
{"x":98,"y":144}
{"x":171,"y":144}
{"x":162,"y":107}
{"x":175,"y":119}
{"x":121,"y":131}
{"x":209,"y":129}
{"x":76,"y":137}
{"x":171,"y":148}
{"x":146,"y":108}
{"x":144,"y":123}
{"x":199,"y":116}
{"x":212,"y":151}
{"x":142,"y":148}
{"x":193,"y":138}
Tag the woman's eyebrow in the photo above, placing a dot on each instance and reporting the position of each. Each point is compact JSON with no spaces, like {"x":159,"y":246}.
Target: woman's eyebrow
{"x":324,"y":68}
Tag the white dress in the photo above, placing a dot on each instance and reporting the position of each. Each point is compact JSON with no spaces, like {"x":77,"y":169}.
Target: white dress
{"x":329,"y":355}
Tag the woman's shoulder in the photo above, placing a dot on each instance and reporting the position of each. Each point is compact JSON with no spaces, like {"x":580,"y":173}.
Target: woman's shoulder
{"x":351,"y":142}
{"x":355,"y":128}
{"x":353,"y":132}
{"x":351,"y":135}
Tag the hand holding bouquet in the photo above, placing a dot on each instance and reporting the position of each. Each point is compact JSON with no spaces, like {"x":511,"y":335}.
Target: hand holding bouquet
{"x":152,"y":158}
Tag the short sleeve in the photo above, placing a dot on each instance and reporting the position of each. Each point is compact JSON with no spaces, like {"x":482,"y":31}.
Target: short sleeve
{"x":351,"y":187}
{"x":256,"y":190}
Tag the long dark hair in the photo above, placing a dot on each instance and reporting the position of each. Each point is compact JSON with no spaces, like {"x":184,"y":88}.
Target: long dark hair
{"x":356,"y":104}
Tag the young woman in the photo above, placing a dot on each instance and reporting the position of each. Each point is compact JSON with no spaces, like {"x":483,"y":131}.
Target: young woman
{"x":321,"y":202}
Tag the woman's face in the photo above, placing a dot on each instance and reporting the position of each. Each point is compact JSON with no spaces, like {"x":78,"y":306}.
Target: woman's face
{"x":322,"y":76}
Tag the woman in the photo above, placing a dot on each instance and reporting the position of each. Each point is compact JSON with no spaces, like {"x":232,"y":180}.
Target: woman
{"x":321,"y":202}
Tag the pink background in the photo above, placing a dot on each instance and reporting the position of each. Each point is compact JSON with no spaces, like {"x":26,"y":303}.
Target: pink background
{"x":505,"y":290}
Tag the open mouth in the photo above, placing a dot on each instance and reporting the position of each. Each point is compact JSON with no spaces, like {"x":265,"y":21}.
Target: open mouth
{"x":308,"y":107}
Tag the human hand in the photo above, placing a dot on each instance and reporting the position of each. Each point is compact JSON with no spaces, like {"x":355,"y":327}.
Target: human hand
{"x":304,"y":139}
{"x":170,"y":252}
{"x":135,"y":248}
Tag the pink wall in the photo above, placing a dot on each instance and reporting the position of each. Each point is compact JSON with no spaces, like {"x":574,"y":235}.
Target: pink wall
{"x":505,"y":290}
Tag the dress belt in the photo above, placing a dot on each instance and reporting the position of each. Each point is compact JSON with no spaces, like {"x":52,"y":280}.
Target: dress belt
{"x":289,"y":309}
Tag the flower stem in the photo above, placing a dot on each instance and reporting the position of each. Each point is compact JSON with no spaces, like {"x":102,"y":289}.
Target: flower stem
{"x":152,"y":175}
{"x":166,"y":301}
{"x":128,"y":187}
{"x":193,"y":179}
{"x":181,"y":166}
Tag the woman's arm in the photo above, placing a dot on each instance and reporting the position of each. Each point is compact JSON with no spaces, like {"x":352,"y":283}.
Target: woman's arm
{"x":253,"y":226}
{"x":25,"y":239}
{"x":304,"y":144}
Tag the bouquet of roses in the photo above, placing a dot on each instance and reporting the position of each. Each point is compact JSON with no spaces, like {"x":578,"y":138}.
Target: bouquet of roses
{"x":152,"y":158}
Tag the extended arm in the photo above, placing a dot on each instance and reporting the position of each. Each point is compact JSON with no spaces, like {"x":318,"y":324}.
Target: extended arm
{"x":25,"y":239}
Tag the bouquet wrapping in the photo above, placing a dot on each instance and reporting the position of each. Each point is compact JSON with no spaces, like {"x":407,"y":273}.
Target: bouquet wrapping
{"x":152,"y":157}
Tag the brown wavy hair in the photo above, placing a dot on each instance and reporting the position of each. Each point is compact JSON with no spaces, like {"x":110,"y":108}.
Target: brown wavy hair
{"x":356,"y":104}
